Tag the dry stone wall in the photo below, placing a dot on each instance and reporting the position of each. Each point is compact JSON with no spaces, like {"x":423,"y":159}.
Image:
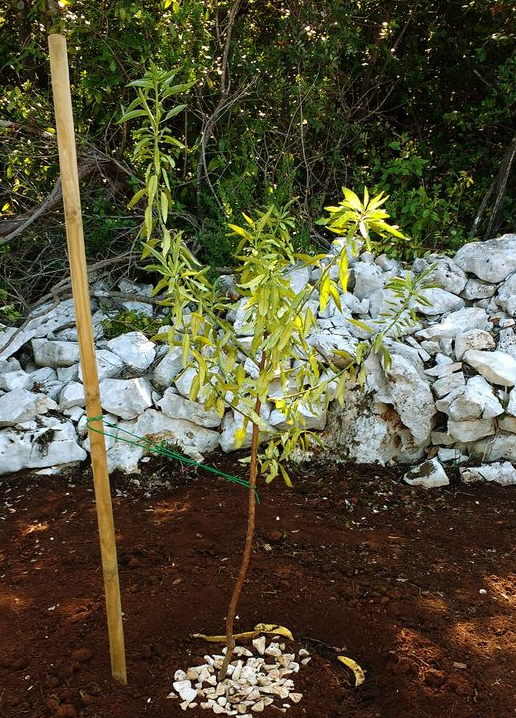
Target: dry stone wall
{"x":449,"y":395}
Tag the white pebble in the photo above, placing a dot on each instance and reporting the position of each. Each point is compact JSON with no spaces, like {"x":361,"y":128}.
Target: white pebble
{"x":274,"y":652}
{"x":237,"y":670}
{"x":259,"y":644}
{"x":242,"y":651}
{"x":180,"y":676}
{"x":295,"y":697}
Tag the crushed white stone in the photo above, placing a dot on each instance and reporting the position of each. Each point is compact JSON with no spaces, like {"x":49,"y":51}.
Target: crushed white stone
{"x":253,"y":681}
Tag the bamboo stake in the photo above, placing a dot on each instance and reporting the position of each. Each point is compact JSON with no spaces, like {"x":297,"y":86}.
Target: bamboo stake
{"x":79,"y":277}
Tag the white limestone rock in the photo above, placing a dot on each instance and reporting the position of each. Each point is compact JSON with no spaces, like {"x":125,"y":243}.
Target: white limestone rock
{"x":68,"y":373}
{"x":15,"y":450}
{"x":354,"y":305}
{"x":441,"y":302}
{"x":192,"y":440}
{"x":72,"y":395}
{"x":507,"y":423}
{"x":468,"y":431}
{"x":500,"y":446}
{"x":50,"y":319}
{"x":58,"y":445}
{"x":457,"y":323}
{"x":412,"y":398}
{"x":445,"y":273}
{"x":448,"y":383}
{"x":54,"y":443}
{"x":368,"y":431}
{"x":441,"y":438}
{"x":243,"y":319}
{"x":9,"y":365}
{"x":506,"y":297}
{"x":234,"y":420}
{"x":336,"y":348}
{"x":407,"y":352}
{"x":168,"y":368}
{"x":477,"y":339}
{"x":184,"y":381}
{"x":75,"y":413}
{"x":454,"y":455}
{"x":431,"y":347}
{"x":422,"y":353}
{"x":388,"y":264}
{"x":44,"y":404}
{"x":430,"y":475}
{"x":476,"y":289}
{"x":476,"y":400}
{"x":126,"y":398}
{"x":177,"y":407}
{"x":55,"y":354}
{"x":507,"y":342}
{"x":491,"y":261}
{"x":109,"y":365}
{"x":12,"y":380}
{"x":45,"y":380}
{"x":127,"y":286}
{"x":311,"y":417}
{"x":69,"y":334}
{"x":369,"y":279}
{"x":298,"y":278}
{"x":497,"y":367}
{"x":16,"y":407}
{"x":135,"y":350}
{"x":502,"y":473}
{"x":511,"y":404}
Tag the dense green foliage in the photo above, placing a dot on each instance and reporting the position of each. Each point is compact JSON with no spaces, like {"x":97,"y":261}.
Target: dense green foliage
{"x":295,"y":96}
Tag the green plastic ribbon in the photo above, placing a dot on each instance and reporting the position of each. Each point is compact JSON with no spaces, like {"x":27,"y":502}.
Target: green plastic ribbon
{"x":161,"y":450}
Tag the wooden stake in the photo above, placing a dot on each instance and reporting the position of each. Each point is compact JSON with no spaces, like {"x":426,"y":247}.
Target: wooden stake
{"x":77,"y":258}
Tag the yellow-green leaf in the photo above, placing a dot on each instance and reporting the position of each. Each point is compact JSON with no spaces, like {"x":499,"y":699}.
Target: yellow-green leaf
{"x":240,"y":435}
{"x":137,"y":197}
{"x":194,"y":389}
{"x":286,"y":477}
{"x":164,"y":205}
{"x":344,"y":269}
{"x":240,"y":375}
{"x":354,"y":667}
{"x":336,"y":297}
{"x":220,"y":406}
{"x":352,"y":199}
{"x":238,"y":230}
{"x":186,"y":348}
{"x":325,"y":291}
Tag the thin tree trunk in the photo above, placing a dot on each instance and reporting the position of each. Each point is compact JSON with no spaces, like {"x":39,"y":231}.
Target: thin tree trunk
{"x":246,"y":555}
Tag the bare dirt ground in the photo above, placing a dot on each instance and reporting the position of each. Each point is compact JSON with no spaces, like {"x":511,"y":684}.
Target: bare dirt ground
{"x":418,"y":587}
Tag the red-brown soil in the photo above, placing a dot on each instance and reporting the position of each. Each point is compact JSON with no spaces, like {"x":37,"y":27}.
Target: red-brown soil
{"x":418,"y":587}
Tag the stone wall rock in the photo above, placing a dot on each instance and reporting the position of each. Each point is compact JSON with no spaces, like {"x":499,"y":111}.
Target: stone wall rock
{"x":449,"y":390}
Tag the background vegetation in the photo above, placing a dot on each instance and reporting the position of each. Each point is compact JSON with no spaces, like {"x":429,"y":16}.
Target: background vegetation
{"x":416,"y":99}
